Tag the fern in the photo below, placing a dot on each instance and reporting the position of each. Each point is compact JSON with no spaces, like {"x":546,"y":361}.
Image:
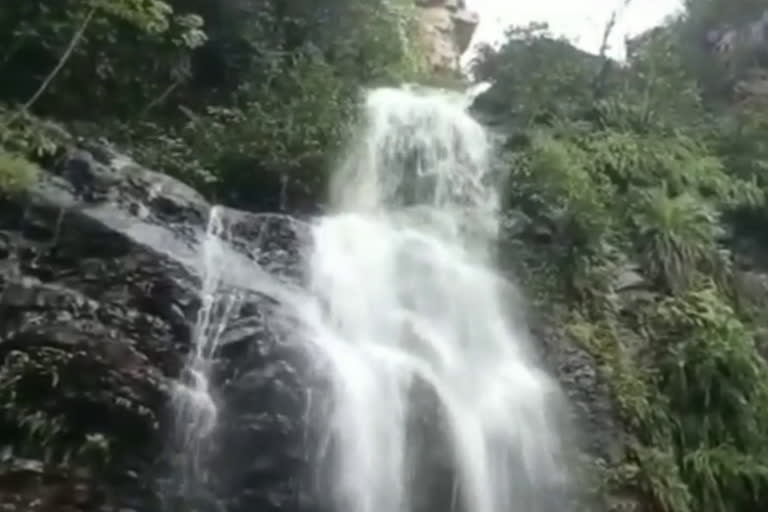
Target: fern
{"x":676,"y":236}
{"x":714,"y":379}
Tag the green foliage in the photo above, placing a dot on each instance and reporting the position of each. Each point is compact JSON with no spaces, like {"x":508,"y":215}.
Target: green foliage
{"x":41,"y":430}
{"x":660,"y":84}
{"x":602,"y":338}
{"x":562,"y":183}
{"x":691,"y":385}
{"x":634,"y":159}
{"x":150,"y":16}
{"x":236,"y":94}
{"x":380,"y":41}
{"x":676,"y":236}
{"x":741,"y":139}
{"x":29,"y":136}
{"x":660,"y":478}
{"x":535,"y":76}
{"x":650,"y":166}
{"x":553,"y":182}
{"x":16,"y":173}
{"x":108,"y":61}
{"x":25,"y":143}
{"x":715,"y":382}
{"x":304,"y":124}
{"x":631,"y":374}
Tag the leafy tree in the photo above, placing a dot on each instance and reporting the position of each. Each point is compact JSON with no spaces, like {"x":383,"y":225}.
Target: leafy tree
{"x":534,"y":76}
{"x":116,"y":37}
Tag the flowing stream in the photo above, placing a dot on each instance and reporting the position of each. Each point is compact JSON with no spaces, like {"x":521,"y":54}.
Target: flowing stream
{"x":401,"y":295}
{"x":196,"y":410}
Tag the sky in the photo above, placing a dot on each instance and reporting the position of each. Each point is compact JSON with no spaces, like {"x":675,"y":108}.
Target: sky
{"x":582,"y":21}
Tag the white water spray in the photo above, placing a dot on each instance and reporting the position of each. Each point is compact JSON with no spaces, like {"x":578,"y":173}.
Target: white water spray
{"x":196,"y":409}
{"x":401,"y":292}
{"x":228,"y":273}
{"x":400,"y":295}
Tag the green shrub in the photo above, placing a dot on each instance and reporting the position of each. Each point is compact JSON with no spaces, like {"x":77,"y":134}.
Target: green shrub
{"x":552,"y":179}
{"x":715,"y":383}
{"x":676,"y":236}
{"x":634,"y":159}
{"x":16,"y":173}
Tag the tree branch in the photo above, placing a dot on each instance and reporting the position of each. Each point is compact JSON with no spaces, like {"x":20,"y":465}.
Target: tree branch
{"x":160,"y":99}
{"x":78,"y":35}
{"x":603,"y":74}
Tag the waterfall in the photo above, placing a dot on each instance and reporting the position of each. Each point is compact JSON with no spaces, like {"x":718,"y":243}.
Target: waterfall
{"x":196,"y":409}
{"x":404,"y":294}
{"x":234,"y":269}
{"x":401,"y":306}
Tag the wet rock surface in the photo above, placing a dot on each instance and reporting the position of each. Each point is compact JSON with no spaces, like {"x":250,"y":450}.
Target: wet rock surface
{"x":99,"y":291}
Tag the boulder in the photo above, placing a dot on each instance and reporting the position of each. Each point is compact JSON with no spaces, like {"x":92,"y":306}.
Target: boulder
{"x":447,"y":28}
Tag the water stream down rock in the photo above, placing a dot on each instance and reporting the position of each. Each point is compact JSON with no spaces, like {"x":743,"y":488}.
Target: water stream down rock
{"x":101,"y":273}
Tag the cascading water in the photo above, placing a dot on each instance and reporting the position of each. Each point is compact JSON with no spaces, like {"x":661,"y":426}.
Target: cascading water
{"x":196,"y":409}
{"x":232,"y":273}
{"x":401,"y":294}
{"x":399,"y":298}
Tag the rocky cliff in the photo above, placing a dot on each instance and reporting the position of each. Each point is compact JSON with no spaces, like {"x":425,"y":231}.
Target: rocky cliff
{"x":99,"y":291}
{"x":751,"y":37}
{"x":743,"y":50}
{"x":447,"y":27}
{"x":740,"y":50}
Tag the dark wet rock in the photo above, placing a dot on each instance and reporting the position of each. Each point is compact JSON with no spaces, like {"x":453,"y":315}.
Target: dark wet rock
{"x":99,"y":290}
{"x":514,"y":223}
{"x":601,"y":439}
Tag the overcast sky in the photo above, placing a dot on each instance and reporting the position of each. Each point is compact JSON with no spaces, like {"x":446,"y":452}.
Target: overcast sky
{"x":582,"y":21}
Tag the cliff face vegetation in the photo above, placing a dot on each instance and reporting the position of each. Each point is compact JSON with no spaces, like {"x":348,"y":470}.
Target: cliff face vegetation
{"x":635,"y":196}
{"x":642,"y":193}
